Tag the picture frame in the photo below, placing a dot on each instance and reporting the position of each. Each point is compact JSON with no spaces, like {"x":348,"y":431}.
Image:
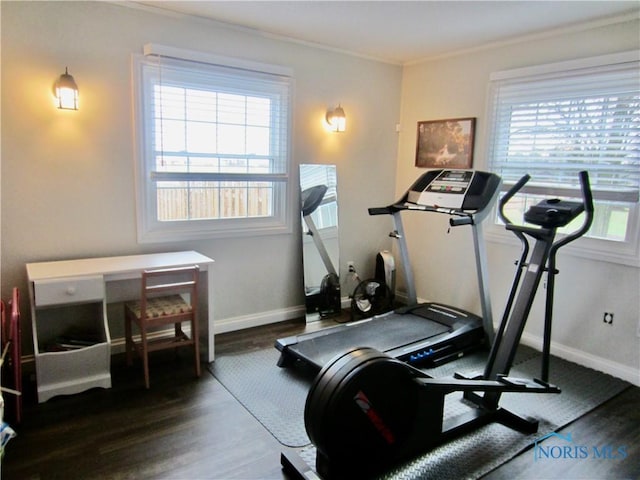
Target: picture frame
{"x":445,"y":143}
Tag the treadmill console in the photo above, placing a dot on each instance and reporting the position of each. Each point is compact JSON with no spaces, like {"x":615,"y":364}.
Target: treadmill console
{"x":456,"y":189}
{"x":447,"y":189}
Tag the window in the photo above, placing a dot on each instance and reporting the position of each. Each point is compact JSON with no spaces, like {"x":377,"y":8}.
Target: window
{"x":556,"y":120}
{"x":214,"y":146}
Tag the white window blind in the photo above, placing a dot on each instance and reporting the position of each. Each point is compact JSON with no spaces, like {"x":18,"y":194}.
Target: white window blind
{"x":553,"y":121}
{"x":215,"y":146}
{"x":554,"y":125}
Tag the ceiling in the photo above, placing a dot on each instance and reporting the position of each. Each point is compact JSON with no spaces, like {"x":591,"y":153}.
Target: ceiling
{"x":402,"y":32}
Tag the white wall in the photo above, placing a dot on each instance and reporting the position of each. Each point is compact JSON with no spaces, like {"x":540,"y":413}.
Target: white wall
{"x":68,"y":177}
{"x":455,"y":87}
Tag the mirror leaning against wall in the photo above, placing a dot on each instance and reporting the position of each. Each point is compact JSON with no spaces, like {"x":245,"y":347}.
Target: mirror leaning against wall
{"x":320,"y":239}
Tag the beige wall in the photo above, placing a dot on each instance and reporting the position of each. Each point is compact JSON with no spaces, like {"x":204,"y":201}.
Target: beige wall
{"x":456,"y":87}
{"x":68,"y":177}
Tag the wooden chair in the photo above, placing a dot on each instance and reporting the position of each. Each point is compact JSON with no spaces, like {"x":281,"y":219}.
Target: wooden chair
{"x":163,"y":302}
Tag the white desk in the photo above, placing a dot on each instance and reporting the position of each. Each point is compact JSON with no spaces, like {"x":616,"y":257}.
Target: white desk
{"x":76,"y":292}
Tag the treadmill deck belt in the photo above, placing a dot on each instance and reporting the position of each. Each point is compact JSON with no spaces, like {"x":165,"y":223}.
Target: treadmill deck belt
{"x":382,"y":333}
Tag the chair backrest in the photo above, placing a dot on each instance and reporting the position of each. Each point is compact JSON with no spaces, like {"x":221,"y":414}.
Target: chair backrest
{"x":169,"y":281}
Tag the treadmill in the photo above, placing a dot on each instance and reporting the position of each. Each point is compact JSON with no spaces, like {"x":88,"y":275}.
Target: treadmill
{"x":426,"y":334}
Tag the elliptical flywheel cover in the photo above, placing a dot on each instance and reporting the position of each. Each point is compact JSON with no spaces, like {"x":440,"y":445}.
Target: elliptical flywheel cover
{"x":361,"y":408}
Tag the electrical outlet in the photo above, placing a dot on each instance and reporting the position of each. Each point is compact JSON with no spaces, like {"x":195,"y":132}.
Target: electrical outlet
{"x":607,"y":317}
{"x":351,"y":266}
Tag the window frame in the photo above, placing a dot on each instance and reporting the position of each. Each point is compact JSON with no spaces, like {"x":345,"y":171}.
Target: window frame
{"x":152,"y":230}
{"x":626,"y":252}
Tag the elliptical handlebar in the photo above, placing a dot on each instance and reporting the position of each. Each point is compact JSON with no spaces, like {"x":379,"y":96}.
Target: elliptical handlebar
{"x":507,"y":196}
{"x":587,"y":201}
{"x":587,"y":207}
{"x":586,"y":191}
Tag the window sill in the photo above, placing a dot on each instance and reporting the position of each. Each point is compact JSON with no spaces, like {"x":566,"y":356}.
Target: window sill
{"x":180,"y":234}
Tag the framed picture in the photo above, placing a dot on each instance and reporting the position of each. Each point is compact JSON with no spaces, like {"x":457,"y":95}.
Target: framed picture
{"x":445,"y":143}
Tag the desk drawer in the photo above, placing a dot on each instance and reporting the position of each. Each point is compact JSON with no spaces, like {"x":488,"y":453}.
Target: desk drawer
{"x":61,"y":291}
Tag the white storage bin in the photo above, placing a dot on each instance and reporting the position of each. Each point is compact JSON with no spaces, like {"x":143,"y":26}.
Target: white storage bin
{"x":62,"y":306}
{"x":73,"y":371}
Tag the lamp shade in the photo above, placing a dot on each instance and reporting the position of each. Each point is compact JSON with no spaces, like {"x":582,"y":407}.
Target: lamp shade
{"x":337,"y":119}
{"x":65,"y":91}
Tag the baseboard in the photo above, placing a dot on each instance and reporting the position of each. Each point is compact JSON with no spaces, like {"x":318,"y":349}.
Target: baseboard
{"x":221,"y":326}
{"x":624,"y":372}
{"x":258,"y":319}
{"x":585,"y":359}
{"x":402,"y":298}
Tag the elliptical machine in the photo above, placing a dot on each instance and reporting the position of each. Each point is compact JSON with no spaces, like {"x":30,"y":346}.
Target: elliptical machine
{"x":366,"y":411}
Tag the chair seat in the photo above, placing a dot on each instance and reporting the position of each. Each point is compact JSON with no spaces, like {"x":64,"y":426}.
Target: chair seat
{"x":169,"y":297}
{"x":161,"y":306}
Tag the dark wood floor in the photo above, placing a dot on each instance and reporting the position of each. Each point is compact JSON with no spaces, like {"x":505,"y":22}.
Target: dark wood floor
{"x":187,"y":428}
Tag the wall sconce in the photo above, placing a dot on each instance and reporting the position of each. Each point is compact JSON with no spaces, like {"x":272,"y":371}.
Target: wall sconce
{"x":66,"y":92}
{"x":336,"y":119}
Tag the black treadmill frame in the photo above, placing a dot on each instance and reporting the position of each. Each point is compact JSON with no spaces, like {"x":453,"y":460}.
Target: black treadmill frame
{"x":473,"y":331}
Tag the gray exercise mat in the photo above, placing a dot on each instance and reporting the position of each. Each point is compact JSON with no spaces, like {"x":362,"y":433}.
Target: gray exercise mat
{"x":477,"y":453}
{"x":276,"y":398}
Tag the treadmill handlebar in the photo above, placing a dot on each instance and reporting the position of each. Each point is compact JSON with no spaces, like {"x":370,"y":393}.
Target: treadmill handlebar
{"x":458,"y":217}
{"x":381,"y":210}
{"x":464,"y":220}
